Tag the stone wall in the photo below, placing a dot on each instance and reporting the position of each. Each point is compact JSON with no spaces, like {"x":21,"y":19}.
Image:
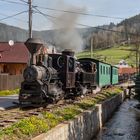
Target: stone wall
{"x":86,"y":125}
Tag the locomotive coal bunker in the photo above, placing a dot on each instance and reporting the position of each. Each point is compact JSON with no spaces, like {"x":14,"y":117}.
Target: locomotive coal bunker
{"x":51,"y":77}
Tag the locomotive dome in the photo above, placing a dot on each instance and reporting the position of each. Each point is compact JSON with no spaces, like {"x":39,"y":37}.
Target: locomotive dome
{"x":69,"y":52}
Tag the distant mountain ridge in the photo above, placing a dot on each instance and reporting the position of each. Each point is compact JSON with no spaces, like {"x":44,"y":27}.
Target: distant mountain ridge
{"x":17,"y":34}
{"x":132,"y":24}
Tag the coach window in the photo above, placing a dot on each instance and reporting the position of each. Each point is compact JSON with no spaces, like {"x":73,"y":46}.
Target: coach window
{"x":101,"y":69}
{"x":107,"y":70}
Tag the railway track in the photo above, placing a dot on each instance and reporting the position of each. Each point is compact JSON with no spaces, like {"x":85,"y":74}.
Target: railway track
{"x":10,"y":116}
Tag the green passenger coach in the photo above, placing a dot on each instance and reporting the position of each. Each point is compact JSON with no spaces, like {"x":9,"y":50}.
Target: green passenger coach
{"x":103,"y":73}
{"x":114,"y":75}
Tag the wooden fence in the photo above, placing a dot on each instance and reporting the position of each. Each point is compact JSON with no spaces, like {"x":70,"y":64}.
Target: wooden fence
{"x":9,"y":82}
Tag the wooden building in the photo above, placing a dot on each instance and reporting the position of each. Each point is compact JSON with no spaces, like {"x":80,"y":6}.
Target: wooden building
{"x":13,"y":59}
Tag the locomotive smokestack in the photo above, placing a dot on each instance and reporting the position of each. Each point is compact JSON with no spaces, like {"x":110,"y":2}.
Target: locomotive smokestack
{"x":33,"y":45}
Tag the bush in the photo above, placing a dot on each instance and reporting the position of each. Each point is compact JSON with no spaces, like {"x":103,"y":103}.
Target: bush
{"x":68,"y":113}
{"x":9,"y":92}
{"x":26,"y":127}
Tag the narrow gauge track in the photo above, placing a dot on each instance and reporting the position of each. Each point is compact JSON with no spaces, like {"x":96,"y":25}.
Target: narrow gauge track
{"x":10,"y":116}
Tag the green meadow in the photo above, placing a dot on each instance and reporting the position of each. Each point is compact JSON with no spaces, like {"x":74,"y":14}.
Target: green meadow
{"x":112,"y":55}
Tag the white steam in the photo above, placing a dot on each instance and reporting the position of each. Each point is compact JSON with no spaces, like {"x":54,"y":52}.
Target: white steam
{"x":66,"y":35}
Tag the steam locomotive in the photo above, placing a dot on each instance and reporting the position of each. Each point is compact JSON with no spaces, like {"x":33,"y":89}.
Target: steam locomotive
{"x":52,"y":77}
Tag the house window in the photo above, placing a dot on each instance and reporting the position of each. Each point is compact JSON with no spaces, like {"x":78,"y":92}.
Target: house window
{"x":5,"y":69}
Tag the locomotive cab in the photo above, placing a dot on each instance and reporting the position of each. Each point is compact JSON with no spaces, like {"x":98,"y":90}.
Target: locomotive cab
{"x":65,"y":65}
{"x":85,"y":77}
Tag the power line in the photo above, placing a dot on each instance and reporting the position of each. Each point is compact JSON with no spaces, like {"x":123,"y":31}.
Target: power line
{"x":15,"y":18}
{"x":110,"y":30}
{"x":45,"y":15}
{"x":24,"y":1}
{"x":59,"y":10}
{"x":81,"y":13}
{"x":13,"y":2}
{"x":99,"y":28}
{"x":13,"y":15}
{"x":66,"y":11}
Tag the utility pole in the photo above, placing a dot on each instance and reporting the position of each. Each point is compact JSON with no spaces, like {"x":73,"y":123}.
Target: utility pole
{"x":91,"y":47}
{"x":30,"y":18}
{"x":125,"y":28}
{"x":136,"y":60}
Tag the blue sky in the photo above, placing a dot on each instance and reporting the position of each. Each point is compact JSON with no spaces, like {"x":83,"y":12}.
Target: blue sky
{"x":113,"y":8}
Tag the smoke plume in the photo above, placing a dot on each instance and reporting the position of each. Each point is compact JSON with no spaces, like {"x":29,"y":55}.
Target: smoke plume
{"x":67,"y":36}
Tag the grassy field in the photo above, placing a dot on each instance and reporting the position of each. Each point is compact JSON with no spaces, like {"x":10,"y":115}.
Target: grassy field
{"x":112,"y":55}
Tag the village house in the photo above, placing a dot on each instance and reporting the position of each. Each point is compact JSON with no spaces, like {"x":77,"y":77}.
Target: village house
{"x":13,"y":58}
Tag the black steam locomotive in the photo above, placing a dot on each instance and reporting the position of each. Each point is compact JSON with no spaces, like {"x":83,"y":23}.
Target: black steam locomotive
{"x":52,"y":77}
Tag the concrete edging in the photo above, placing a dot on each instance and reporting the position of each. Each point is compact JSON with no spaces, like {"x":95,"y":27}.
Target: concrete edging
{"x":86,"y":125}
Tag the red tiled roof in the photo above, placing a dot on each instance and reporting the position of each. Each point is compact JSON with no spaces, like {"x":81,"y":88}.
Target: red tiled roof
{"x":128,"y":70}
{"x":17,"y":53}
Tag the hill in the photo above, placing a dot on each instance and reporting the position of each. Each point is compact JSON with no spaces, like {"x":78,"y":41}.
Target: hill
{"x":112,"y":55}
{"x":101,"y":39}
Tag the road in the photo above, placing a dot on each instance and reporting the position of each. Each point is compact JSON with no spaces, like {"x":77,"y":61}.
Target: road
{"x":7,"y":101}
